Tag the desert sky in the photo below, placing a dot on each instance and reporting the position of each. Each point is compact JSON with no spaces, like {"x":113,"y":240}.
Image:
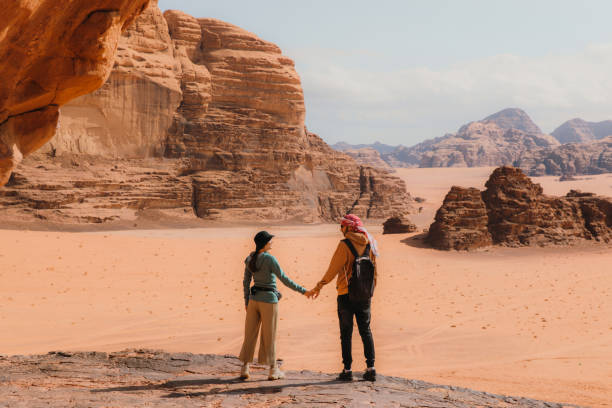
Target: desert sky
{"x":532,"y":322}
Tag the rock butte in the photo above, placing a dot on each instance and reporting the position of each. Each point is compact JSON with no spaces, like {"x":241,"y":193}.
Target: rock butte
{"x":513,"y":211}
{"x":198,"y":116}
{"x":41,"y":71}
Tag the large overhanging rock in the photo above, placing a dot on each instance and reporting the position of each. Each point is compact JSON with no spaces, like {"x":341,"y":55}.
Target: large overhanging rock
{"x":51,"y":52}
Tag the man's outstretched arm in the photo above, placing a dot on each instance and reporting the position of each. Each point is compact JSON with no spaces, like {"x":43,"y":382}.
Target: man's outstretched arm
{"x":336,"y":266}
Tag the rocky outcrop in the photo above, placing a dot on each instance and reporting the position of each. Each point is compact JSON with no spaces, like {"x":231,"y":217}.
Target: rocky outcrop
{"x":223,"y":109}
{"x":579,"y":131}
{"x":518,"y":213}
{"x":369,"y":157}
{"x":398,"y":225}
{"x":44,"y":69}
{"x":138,"y":378}
{"x":461,"y":221}
{"x":594,"y":157}
{"x":513,"y":118}
{"x":78,"y":190}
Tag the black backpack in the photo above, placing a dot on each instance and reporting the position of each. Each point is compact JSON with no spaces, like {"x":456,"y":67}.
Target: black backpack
{"x":361,"y":284}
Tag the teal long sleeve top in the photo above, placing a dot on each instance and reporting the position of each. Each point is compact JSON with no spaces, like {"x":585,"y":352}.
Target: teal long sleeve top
{"x":268,"y":270}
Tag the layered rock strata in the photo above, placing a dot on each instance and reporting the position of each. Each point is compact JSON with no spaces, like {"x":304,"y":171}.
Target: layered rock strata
{"x":81,"y":190}
{"x":518,"y":213}
{"x":44,"y":69}
{"x":461,"y":222}
{"x":398,"y":225}
{"x":227,"y":109}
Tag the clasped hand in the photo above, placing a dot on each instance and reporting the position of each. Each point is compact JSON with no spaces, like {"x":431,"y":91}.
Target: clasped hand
{"x":312,"y":294}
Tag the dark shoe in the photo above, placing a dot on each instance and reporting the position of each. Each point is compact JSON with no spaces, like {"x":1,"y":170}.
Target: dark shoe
{"x":345,"y":376}
{"x":370,"y":375}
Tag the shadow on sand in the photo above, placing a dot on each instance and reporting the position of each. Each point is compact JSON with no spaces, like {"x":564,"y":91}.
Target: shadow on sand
{"x":178,"y":384}
{"x":416,"y":241}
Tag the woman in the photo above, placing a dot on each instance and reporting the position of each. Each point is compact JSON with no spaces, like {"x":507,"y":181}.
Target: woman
{"x":261,"y":302}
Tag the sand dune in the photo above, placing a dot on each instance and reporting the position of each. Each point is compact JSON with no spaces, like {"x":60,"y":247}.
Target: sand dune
{"x":529,"y":321}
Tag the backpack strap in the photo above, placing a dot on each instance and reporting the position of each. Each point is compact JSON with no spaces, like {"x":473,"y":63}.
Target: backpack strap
{"x":349,"y":244}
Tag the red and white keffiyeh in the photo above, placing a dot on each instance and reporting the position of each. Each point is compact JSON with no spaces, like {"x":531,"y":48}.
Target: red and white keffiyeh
{"x":354,"y":223}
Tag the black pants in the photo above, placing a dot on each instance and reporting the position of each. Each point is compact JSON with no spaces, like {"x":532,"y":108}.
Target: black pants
{"x":361,"y":311}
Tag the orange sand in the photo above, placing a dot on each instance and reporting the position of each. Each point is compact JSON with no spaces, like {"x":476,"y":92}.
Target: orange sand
{"x":533,"y":322}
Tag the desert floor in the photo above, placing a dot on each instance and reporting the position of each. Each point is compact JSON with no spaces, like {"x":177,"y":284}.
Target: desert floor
{"x":534,"y":322}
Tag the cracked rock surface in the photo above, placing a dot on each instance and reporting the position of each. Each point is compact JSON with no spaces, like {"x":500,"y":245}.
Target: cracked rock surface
{"x":139,"y":378}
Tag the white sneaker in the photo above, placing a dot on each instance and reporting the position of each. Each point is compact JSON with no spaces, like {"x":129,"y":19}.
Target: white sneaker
{"x":275,"y":374}
{"x":244,"y":372}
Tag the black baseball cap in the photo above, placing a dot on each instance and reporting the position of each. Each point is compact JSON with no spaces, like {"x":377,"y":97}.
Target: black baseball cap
{"x":262,"y":238}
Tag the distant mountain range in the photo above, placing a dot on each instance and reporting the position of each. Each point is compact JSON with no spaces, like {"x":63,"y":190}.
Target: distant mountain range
{"x":508,"y":137}
{"x":578,"y":131}
{"x":379,"y":147}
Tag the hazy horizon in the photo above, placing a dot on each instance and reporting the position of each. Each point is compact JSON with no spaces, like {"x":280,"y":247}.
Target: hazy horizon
{"x":402,"y":72}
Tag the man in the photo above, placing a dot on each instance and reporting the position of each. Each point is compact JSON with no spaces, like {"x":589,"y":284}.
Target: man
{"x":341,"y":266}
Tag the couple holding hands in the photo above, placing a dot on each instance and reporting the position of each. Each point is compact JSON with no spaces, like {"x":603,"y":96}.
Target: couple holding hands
{"x":261,"y":299}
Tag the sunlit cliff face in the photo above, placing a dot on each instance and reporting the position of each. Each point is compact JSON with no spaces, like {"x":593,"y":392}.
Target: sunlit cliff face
{"x":52,"y":52}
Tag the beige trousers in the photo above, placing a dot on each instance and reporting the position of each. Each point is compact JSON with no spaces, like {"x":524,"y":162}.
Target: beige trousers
{"x":264,"y":315}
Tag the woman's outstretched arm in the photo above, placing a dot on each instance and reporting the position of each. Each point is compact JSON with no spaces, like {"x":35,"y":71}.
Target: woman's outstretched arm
{"x":276,"y":270}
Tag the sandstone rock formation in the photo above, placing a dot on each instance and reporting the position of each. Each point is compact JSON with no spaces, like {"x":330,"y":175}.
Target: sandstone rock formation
{"x":398,"y":225}
{"x":579,"y":131}
{"x":130,"y":114}
{"x":139,"y":378}
{"x":369,"y":157}
{"x":461,"y":221}
{"x":78,"y":190}
{"x":518,"y":213}
{"x":593,"y":157}
{"x":222,"y":111}
{"x":43,"y":69}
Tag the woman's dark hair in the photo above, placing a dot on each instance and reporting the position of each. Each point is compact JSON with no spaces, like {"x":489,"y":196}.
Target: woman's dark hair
{"x":253,"y":261}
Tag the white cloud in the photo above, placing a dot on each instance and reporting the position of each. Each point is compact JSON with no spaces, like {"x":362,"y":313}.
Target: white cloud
{"x":406,"y":106}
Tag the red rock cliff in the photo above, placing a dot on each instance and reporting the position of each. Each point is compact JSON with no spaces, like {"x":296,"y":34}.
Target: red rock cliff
{"x":227,"y":109}
{"x":52,"y":52}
